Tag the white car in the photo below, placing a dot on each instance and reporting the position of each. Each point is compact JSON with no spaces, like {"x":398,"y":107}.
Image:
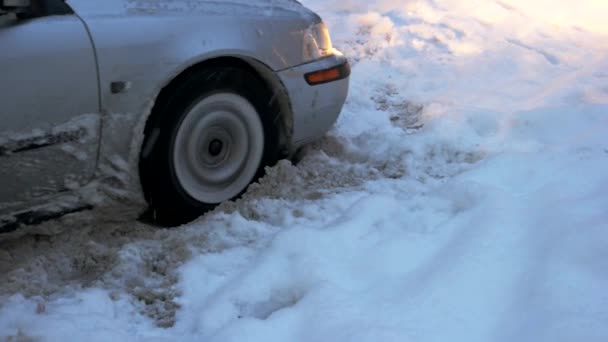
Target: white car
{"x":184,"y":101}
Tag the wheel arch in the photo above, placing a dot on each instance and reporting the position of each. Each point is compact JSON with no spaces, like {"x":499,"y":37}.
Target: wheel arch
{"x":260,"y":70}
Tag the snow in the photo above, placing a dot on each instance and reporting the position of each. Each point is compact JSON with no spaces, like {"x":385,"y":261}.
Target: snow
{"x":461,"y":196}
{"x":85,"y":126}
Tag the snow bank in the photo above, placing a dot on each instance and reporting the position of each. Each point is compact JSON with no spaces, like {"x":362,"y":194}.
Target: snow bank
{"x":461,"y":196}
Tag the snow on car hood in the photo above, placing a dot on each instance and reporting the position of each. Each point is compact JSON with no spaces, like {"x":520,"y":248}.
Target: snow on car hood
{"x":189,"y":7}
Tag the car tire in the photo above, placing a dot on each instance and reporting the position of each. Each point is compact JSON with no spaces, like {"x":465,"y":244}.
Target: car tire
{"x":204,"y":144}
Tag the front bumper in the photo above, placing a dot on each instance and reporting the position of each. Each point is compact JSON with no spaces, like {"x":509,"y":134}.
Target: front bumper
{"x":315,"y":108}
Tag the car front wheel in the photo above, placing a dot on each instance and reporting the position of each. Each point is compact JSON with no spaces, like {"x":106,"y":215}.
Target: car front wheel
{"x":212,"y":138}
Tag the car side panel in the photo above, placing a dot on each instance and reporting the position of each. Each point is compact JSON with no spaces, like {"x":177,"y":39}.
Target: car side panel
{"x":49,"y":109}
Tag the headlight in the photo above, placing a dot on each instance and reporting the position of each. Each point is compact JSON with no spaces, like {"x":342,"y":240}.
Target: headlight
{"x":317,"y":42}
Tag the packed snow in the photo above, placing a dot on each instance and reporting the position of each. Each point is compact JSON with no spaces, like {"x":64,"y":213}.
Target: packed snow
{"x":461,"y":196}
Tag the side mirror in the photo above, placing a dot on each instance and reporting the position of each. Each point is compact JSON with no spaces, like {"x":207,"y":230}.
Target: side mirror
{"x":14,"y":6}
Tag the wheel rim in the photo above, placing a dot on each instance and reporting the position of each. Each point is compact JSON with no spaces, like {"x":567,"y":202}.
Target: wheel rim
{"x":218,"y":147}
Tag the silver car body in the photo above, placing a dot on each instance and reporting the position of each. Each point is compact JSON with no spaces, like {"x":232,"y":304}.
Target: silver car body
{"x":76,"y":89}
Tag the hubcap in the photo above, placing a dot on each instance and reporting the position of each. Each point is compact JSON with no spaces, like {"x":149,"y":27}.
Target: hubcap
{"x":218,"y":147}
{"x":215,"y":147}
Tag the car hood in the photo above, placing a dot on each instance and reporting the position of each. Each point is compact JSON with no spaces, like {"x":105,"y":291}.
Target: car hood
{"x":191,"y":7}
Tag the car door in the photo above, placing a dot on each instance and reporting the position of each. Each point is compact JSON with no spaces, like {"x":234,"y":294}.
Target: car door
{"x":49,"y":104}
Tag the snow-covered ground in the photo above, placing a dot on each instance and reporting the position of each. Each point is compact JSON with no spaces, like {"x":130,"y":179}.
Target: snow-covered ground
{"x":462,"y":196}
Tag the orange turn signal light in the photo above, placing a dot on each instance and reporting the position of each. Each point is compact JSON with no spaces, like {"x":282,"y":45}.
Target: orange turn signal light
{"x":328,"y":75}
